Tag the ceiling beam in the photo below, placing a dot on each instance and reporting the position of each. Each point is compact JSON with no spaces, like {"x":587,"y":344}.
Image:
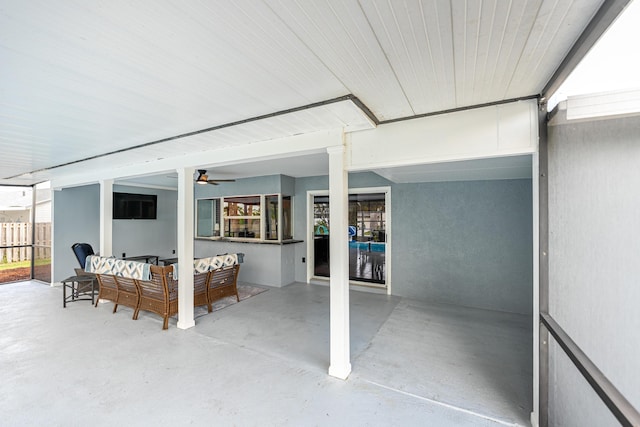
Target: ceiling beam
{"x":349,"y":97}
{"x":459,"y":109}
{"x":600,"y":22}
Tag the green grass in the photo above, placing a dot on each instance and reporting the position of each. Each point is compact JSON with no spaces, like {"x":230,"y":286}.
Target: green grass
{"x":10,"y":266}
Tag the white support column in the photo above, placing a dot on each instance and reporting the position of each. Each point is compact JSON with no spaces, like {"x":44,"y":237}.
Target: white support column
{"x":106,"y":217}
{"x":535,"y":192}
{"x":185,"y":248}
{"x":340,"y":365}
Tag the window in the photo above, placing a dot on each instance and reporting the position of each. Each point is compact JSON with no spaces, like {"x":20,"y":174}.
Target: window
{"x":242,"y":217}
{"x":271,"y":218}
{"x":208,"y":218}
{"x":255,"y":217}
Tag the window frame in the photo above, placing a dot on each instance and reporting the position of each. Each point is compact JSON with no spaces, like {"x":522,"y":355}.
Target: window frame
{"x":262,"y":217}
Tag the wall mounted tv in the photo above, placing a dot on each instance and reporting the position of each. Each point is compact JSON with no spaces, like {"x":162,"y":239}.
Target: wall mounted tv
{"x":134,"y":206}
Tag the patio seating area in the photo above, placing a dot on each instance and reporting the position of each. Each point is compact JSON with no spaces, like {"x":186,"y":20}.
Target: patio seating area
{"x":148,"y":287}
{"x":262,"y":362}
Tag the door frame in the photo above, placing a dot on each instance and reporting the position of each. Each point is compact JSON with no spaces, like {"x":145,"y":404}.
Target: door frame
{"x":309,"y":224}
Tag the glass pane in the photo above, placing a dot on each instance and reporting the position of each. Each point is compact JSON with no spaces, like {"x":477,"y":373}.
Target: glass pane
{"x":321,"y":235}
{"x":287,"y":215}
{"x":15,"y":233}
{"x":208,"y":218}
{"x":42,"y":243}
{"x":242,"y":206}
{"x":241,"y":227}
{"x":367,"y":237}
{"x":271,"y":219}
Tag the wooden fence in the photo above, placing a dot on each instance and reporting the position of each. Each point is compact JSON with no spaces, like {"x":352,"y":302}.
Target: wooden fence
{"x":19,"y":233}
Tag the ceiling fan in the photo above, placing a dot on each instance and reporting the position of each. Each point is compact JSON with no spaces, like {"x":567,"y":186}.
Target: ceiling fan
{"x":203,"y":178}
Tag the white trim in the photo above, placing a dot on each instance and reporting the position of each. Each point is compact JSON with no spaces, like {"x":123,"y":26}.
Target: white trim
{"x":140,"y":185}
{"x":310,"y":236}
{"x":279,"y":148}
{"x":492,"y":131}
{"x":53,"y":239}
{"x":604,"y":104}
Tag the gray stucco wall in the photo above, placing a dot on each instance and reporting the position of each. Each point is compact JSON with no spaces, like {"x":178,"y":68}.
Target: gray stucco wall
{"x":242,"y":187}
{"x":594,"y":260}
{"x":463,"y":243}
{"x":148,"y":236}
{"x":76,"y":219}
{"x":264,"y":264}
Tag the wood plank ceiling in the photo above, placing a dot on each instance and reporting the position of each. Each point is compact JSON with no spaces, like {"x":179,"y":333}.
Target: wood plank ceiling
{"x":81,"y":79}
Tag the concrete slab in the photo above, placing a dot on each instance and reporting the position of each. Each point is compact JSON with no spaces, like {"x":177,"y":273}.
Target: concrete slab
{"x":261,"y":362}
{"x":474,"y":359}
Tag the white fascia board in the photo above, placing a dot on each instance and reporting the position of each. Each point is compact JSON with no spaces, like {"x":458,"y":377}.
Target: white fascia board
{"x":494,"y":131}
{"x":292,"y":146}
{"x":605,"y":104}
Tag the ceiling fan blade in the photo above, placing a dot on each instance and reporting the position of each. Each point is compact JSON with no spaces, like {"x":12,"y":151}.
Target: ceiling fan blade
{"x":212,"y":182}
{"x":222,"y":180}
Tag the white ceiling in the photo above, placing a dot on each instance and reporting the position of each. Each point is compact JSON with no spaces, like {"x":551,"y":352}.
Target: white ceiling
{"x":84,"y":79}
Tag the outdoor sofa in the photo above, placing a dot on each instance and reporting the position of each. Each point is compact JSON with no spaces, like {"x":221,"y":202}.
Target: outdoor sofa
{"x":154,"y":288}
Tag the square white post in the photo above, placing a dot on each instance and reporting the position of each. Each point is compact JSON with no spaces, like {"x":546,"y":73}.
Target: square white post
{"x":340,"y":365}
{"x":106,"y":217}
{"x":185,"y":248}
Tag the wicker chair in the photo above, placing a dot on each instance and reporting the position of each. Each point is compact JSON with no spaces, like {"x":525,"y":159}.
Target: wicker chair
{"x":200,"y":290}
{"x":128,"y":294}
{"x":108,"y":288}
{"x":222,"y":283}
{"x":160,"y":294}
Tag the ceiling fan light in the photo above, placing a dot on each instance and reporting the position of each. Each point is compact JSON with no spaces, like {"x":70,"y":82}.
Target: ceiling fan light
{"x":202,"y":177}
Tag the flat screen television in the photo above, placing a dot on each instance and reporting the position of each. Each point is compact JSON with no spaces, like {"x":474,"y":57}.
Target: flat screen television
{"x":134,"y":206}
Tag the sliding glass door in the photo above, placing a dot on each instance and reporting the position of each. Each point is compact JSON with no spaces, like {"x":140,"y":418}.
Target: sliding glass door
{"x":367,"y":237}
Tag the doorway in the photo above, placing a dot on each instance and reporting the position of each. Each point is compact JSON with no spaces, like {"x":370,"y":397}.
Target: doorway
{"x":25,"y":233}
{"x":368,"y":236}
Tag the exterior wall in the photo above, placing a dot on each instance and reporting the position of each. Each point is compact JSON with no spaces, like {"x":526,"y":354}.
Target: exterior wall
{"x":43,"y":211}
{"x":76,"y":219}
{"x":594,"y":260}
{"x":265,"y":264}
{"x":464,"y":243}
{"x":150,"y":236}
{"x":356,"y":180}
{"x":242,"y":187}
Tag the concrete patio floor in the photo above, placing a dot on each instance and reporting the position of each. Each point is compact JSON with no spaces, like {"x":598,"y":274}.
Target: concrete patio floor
{"x":262,"y":362}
